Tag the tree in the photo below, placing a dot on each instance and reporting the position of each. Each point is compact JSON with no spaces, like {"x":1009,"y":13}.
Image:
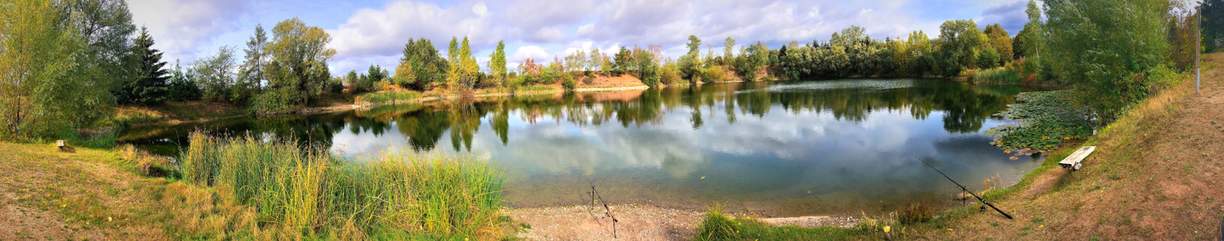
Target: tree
{"x":454,"y":63}
{"x":182,"y":85}
{"x":468,"y":70}
{"x":728,"y":50}
{"x":1129,"y":40}
{"x":106,"y":27}
{"x":753,"y":60}
{"x":1000,"y":41}
{"x":214,"y":75}
{"x":250,"y":73}
{"x":297,"y":71}
{"x":690,"y":63}
{"x":961,"y":43}
{"x":646,"y":66}
{"x":421,"y":66}
{"x":497,"y":64}
{"x":1033,"y":38}
{"x":44,"y":91}
{"x":622,"y":61}
{"x":1213,"y":25}
{"x":148,"y":83}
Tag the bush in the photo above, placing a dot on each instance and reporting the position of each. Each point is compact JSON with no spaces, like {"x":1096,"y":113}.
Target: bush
{"x":272,"y":101}
{"x":670,"y":74}
{"x":715,"y":73}
{"x":309,"y":194}
{"x":568,"y":82}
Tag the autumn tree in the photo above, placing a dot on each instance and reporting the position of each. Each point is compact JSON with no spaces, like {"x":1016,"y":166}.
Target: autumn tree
{"x":1001,"y":41}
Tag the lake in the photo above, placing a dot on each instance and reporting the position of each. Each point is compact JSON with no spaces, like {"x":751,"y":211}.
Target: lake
{"x":777,"y":149}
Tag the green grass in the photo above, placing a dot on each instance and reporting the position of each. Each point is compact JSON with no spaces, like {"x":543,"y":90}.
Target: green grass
{"x":310,"y":194}
{"x":389,"y":97}
{"x":717,"y":226}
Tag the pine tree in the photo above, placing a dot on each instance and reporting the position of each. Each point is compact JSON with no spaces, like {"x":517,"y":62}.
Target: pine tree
{"x":148,"y":85}
{"x":250,"y":74}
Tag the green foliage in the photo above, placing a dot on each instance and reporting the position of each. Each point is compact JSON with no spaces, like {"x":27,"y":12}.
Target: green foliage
{"x":251,"y":72}
{"x":754,"y":59}
{"x":670,"y":74}
{"x":1001,"y":42}
{"x":1002,"y":75}
{"x":622,"y":62}
{"x":148,"y":83}
{"x":1213,"y":25}
{"x":421,"y":67}
{"x":717,"y":226}
{"x":309,"y":194}
{"x":389,"y":97}
{"x":469,"y":71}
{"x":182,"y":85}
{"x":106,"y":29}
{"x":1032,"y":40}
{"x":961,"y":47}
{"x":214,"y":75}
{"x":646,"y":66}
{"x":1128,"y":39}
{"x":690,"y":63}
{"x":1047,"y":119}
{"x":46,"y":90}
{"x":497,"y":63}
{"x":297,"y":71}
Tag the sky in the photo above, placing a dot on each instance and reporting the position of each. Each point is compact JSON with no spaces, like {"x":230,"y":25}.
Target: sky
{"x":366,"y":32}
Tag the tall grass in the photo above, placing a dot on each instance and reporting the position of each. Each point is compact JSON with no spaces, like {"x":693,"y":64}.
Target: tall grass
{"x":1001,"y":75}
{"x":304,"y":192}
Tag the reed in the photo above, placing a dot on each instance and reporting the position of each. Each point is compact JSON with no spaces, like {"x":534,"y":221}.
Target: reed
{"x":303,"y":192}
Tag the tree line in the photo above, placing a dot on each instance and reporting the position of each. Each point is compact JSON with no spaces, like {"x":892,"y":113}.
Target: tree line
{"x":66,"y":63}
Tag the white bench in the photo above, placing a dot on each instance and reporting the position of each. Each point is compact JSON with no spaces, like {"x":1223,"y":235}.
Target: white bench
{"x":1076,"y":159}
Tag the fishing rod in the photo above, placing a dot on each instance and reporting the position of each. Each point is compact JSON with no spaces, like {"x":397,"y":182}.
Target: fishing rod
{"x":962,"y":187}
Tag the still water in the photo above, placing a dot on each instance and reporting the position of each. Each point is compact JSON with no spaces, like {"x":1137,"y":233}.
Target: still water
{"x":781,"y":149}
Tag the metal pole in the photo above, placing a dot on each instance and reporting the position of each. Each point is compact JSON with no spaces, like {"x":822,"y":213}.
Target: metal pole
{"x":1198,"y":48}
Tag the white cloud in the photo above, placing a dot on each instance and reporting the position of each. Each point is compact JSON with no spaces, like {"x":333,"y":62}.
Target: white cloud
{"x":480,"y":9}
{"x":181,"y":27}
{"x":530,"y":51}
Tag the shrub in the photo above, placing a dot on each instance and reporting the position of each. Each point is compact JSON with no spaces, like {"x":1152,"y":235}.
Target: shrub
{"x":273,"y":101}
{"x":388,"y":97}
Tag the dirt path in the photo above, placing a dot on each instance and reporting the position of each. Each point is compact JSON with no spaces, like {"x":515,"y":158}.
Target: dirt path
{"x":46,"y":195}
{"x":1165,"y":183}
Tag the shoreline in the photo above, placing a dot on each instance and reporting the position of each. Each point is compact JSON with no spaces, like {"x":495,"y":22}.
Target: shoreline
{"x":637,"y":222}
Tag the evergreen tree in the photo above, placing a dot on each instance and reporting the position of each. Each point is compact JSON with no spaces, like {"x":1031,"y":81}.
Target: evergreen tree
{"x":250,"y":74}
{"x":148,"y":84}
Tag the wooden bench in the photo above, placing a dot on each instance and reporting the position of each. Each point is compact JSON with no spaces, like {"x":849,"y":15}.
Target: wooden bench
{"x":1076,"y":159}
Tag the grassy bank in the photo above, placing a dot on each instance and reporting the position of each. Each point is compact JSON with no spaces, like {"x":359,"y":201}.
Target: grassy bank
{"x":309,"y":194}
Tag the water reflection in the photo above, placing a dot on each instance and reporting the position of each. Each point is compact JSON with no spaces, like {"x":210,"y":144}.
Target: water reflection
{"x":781,"y":149}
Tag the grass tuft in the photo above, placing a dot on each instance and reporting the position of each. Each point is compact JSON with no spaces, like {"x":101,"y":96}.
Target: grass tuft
{"x":305,"y":193}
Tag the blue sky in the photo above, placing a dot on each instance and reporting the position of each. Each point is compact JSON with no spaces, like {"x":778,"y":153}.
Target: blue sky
{"x":369,"y":32}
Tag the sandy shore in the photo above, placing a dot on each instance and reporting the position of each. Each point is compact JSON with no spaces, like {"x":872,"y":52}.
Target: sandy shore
{"x":635,"y":222}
